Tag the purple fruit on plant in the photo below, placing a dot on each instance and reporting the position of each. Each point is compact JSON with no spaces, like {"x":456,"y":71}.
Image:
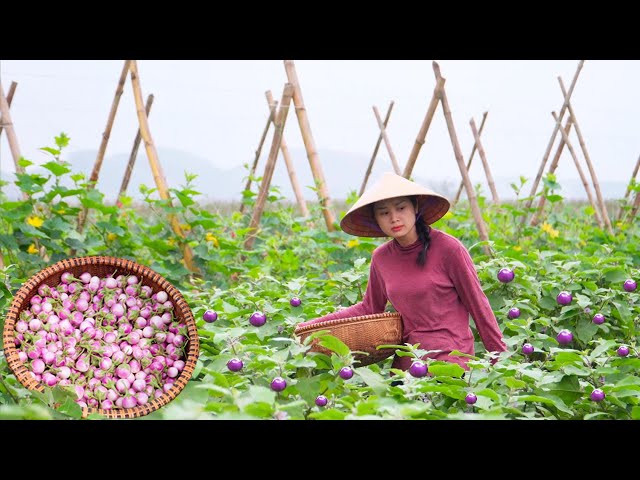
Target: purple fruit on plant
{"x":321,"y":400}
{"x":210,"y":316}
{"x":235,"y":364}
{"x":527,"y":349}
{"x":505,"y":275}
{"x":564,"y":298}
{"x":630,"y":285}
{"x":346,"y":373}
{"x":418,"y":369}
{"x":278,"y":384}
{"x":295,"y":302}
{"x":564,"y":337}
{"x":598,"y":319}
{"x":597,"y":395}
{"x":471,"y":398}
{"x":258,"y":319}
{"x":623,"y":351}
{"x":514,"y":313}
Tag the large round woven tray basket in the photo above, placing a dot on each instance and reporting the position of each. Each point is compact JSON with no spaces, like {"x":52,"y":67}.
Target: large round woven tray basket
{"x":360,"y":334}
{"x":103,"y":266}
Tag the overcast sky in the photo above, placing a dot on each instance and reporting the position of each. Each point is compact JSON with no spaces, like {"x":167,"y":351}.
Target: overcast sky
{"x":217,"y":109}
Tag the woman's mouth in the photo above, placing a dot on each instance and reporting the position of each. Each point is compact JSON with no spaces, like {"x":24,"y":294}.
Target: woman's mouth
{"x":397,"y":229}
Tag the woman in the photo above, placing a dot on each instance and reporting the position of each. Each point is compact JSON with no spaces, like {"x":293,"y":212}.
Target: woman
{"x":426,"y":274}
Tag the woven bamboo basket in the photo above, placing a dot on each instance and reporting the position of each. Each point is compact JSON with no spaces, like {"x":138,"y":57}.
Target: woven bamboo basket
{"x":360,"y":334}
{"x":103,"y":266}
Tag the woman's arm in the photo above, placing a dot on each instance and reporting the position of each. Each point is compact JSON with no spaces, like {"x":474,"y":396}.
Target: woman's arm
{"x":465,"y":278}
{"x":374,"y":300}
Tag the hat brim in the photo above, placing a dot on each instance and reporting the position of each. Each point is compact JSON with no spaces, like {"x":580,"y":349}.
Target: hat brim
{"x":360,"y":220}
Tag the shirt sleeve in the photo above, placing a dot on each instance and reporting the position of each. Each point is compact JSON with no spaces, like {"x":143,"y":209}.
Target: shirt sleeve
{"x":465,"y":278}
{"x":373,"y":301}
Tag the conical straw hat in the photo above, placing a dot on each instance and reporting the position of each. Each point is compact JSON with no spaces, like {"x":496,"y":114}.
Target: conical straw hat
{"x":359,"y":220}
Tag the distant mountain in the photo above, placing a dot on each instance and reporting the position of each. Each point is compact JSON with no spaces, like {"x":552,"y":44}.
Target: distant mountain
{"x":343,"y":173}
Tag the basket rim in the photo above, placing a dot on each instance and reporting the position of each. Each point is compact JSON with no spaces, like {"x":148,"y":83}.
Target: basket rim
{"x":340,"y":321}
{"x":23,"y":374}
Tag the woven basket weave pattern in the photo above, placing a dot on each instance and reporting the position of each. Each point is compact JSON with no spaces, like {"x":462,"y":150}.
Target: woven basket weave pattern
{"x":102,"y":266}
{"x":363,"y":333}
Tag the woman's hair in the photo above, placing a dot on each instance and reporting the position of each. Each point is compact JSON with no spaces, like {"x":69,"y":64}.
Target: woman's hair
{"x":423,"y":233}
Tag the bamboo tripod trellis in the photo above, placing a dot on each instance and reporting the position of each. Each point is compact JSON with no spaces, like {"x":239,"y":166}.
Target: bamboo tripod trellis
{"x":134,"y":153}
{"x":279,"y":123}
{"x":131,"y":67}
{"x":309,"y":145}
{"x":8,"y":100}
{"x":440,"y":97}
{"x":468,"y":166}
{"x":273,"y":105}
{"x":599,"y":206}
{"x":547,"y":152}
{"x":382,"y":125}
{"x":636,"y":202}
{"x":477,"y":146}
{"x":6,"y":123}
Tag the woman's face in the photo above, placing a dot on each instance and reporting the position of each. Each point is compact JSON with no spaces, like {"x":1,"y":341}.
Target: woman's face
{"x":396,"y":217}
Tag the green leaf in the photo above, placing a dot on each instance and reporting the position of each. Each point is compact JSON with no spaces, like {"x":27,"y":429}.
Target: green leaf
{"x":548,"y":303}
{"x":258,"y":393}
{"x":547,"y":400}
{"x":585,"y":330}
{"x":334,"y":344}
{"x":259,"y":409}
{"x":56,"y":168}
{"x":589,"y":416}
{"x":635,"y":413}
{"x":446,"y":369}
{"x":330,"y":414}
{"x":603,"y":347}
{"x":71,"y":408}
{"x":372,"y":379}
{"x":614,"y":275}
{"x":575,"y":370}
{"x":185,"y":200}
{"x":564,"y":358}
{"x":487,"y":392}
{"x":514,"y":383}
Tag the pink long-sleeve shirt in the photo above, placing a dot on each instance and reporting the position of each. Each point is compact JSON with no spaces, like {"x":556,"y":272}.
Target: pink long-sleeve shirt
{"x":434,"y":300}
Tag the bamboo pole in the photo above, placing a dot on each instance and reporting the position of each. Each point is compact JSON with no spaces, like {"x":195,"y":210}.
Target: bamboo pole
{"x":580,"y":171}
{"x":552,"y":168}
{"x":626,"y":194}
{"x":10,"y":93}
{"x":634,"y":209}
{"x":105,"y":140}
{"x":272,"y":116}
{"x":485,"y":164}
{"x":309,"y":144}
{"x":424,"y":128}
{"x":154,"y":162}
{"x":297,"y":190}
{"x":134,"y":151}
{"x":10,"y":131}
{"x":12,"y":90}
{"x":473,"y":151}
{"x":473,"y":201}
{"x":394,"y":162}
{"x":279,"y":123}
{"x":633,"y":176}
{"x":592,"y":172}
{"x":558,"y":126}
{"x":375,"y":150}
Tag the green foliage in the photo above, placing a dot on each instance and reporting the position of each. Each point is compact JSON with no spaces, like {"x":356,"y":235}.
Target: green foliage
{"x":295,"y":256}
